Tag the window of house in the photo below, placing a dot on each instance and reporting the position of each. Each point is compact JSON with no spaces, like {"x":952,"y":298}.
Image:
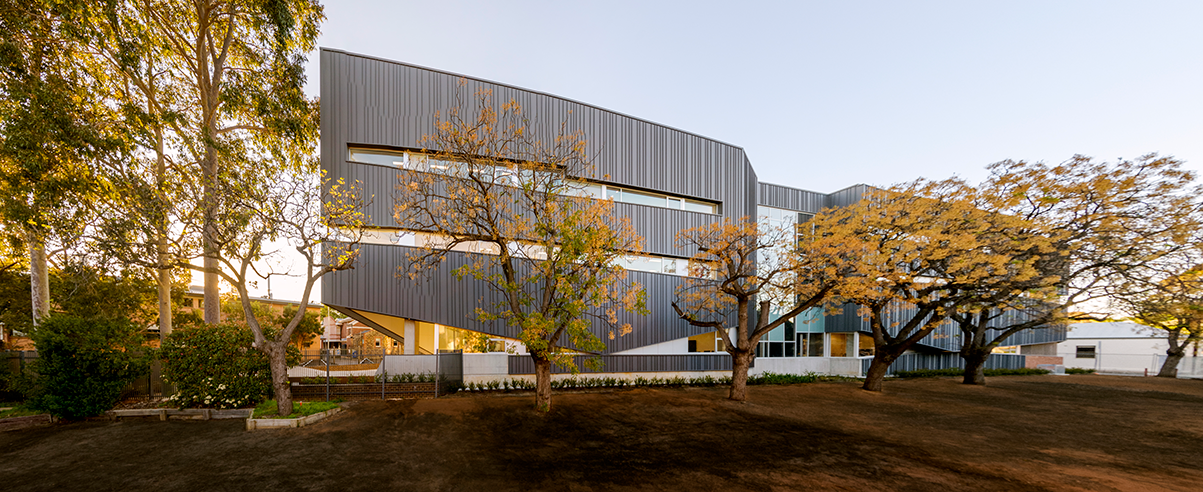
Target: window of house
{"x":810,"y":344}
{"x":1085,"y":352}
{"x":865,"y":349}
{"x":707,"y":342}
{"x":841,"y":344}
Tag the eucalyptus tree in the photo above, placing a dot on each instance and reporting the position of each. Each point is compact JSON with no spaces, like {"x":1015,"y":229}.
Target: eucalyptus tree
{"x":208,"y":85}
{"x":51,"y":129}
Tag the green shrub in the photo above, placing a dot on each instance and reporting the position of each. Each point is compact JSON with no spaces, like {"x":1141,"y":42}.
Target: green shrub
{"x":84,"y":364}
{"x":774,"y":378}
{"x":1078,"y":370}
{"x":214,"y":366}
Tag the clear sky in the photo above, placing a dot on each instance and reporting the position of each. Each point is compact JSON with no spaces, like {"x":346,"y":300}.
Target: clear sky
{"x":823,"y":95}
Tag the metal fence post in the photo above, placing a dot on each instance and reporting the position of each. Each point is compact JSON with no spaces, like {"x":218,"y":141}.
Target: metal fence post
{"x":327,"y":359}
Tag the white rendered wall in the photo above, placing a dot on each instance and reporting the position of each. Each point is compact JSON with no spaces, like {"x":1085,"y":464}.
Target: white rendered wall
{"x":1124,"y":355}
{"x":675,"y":347}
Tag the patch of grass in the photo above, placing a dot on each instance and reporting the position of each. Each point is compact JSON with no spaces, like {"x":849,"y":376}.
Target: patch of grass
{"x":1078,"y":370}
{"x":957,"y":372}
{"x":267,"y":409}
{"x":18,"y":410}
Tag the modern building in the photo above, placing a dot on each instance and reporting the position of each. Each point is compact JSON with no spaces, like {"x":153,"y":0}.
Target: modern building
{"x":374,"y":114}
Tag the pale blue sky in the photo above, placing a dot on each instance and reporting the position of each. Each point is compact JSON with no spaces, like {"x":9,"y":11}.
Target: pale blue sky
{"x":822,"y":95}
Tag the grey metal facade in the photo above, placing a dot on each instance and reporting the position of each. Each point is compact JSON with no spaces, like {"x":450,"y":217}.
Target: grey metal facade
{"x":918,"y":361}
{"x":521,"y":364}
{"x":371,"y":102}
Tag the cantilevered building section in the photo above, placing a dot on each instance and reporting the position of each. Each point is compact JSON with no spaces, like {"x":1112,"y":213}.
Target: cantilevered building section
{"x":374,"y":114}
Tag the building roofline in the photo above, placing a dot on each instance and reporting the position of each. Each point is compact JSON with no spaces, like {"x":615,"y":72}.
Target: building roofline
{"x":816,"y":192}
{"x":573,"y":101}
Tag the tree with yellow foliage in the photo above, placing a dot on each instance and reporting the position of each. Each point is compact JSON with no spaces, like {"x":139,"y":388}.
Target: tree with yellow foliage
{"x":1173,"y":303}
{"x":509,"y":195}
{"x":744,"y":264}
{"x":1094,"y":230}
{"x":925,"y":249}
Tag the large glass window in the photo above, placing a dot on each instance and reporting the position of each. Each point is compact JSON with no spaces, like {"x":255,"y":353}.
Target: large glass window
{"x":865,"y":349}
{"x":381,"y":157}
{"x":810,"y":344}
{"x":841,"y":344}
{"x":707,"y":342}
{"x":505,"y":173}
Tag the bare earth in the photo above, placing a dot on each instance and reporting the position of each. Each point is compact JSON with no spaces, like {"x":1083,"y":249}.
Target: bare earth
{"x":1018,"y":433}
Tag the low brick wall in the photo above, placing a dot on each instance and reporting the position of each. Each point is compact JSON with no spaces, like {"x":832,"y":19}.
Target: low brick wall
{"x":1034,"y":361}
{"x":362,"y":391}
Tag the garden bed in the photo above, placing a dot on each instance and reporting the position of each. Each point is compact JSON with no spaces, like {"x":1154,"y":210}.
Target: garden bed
{"x":363,"y":391}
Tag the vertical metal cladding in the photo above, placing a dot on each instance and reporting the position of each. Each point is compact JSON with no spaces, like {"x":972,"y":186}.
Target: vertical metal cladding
{"x":372,"y":102}
{"x":778,"y":196}
{"x":920,"y":361}
{"x":947,"y":336}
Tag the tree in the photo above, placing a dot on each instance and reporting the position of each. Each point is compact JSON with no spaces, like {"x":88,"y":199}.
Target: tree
{"x":924,"y":250}
{"x":211,"y":86}
{"x":273,"y":320}
{"x":742,"y":264}
{"x":322,"y":222}
{"x":1091,"y":227}
{"x":50,"y":128}
{"x":510,"y":193}
{"x":1173,"y":303}
{"x":142,"y":188}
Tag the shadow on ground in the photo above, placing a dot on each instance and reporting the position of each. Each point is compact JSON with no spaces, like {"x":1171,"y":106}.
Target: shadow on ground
{"x":1018,"y":433}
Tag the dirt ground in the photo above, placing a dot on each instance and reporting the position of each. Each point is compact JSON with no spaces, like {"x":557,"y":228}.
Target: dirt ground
{"x":1018,"y":433}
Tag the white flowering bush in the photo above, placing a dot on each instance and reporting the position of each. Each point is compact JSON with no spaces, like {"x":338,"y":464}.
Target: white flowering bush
{"x":214,"y":366}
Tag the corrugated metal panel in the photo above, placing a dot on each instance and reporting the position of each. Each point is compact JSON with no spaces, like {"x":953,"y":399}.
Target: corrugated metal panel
{"x":847,"y":196}
{"x":778,"y":196}
{"x":947,"y":336}
{"x":523,"y":364}
{"x":918,"y":361}
{"x":373,"y":102}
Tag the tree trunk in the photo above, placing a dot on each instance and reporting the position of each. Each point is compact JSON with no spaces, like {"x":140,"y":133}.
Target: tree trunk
{"x":1170,"y":368}
{"x":165,"y":320}
{"x":740,"y":362}
{"x":877,"y":370}
{"x":542,"y":384}
{"x":39,"y":277}
{"x":164,"y":293}
{"x":209,"y":232}
{"x":280,"y":385}
{"x":975,"y":367}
